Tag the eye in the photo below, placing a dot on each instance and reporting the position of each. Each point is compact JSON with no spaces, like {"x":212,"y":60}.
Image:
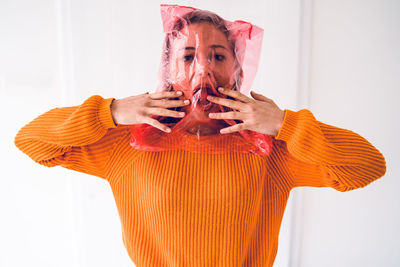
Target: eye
{"x":219,"y":57}
{"x":188,"y":58}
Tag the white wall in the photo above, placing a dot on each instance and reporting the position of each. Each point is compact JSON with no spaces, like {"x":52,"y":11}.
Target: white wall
{"x":58,"y":53}
{"x":354,"y":84}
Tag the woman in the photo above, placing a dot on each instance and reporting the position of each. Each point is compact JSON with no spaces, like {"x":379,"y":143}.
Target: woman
{"x":184,"y":208}
{"x":202,"y":52}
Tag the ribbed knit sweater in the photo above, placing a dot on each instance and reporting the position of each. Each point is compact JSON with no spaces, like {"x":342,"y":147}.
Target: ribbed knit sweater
{"x":179,"y":208}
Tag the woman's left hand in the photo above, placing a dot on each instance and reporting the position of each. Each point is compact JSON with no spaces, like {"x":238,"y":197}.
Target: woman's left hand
{"x":260,"y":114}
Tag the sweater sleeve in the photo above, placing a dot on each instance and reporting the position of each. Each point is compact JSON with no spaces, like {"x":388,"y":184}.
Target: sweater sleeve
{"x":321,"y":155}
{"x":80,"y":138}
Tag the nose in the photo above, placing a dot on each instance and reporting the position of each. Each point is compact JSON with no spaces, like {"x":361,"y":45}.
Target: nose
{"x":204,"y":68}
{"x":204,"y":72}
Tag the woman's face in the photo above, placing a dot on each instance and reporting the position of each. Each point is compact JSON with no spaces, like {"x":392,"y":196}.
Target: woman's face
{"x":201,"y":60}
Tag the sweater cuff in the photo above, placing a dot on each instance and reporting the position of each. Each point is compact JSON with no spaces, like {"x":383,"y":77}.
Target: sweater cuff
{"x":104,"y":114}
{"x":288,"y":126}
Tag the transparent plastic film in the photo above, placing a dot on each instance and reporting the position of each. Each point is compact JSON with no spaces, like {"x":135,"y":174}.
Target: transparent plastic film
{"x":201,"y":53}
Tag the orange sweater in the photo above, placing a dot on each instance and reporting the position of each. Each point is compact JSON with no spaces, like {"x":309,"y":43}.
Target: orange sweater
{"x":188,"y":209}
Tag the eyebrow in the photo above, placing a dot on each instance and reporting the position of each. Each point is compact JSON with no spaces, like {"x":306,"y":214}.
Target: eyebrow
{"x":211,"y":46}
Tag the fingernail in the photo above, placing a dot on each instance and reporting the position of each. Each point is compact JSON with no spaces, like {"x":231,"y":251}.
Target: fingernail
{"x":220,"y":89}
{"x":179,"y":93}
{"x":211,"y":115}
{"x":186,"y":102}
{"x":210,"y":97}
{"x":168,"y":130}
{"x":222,"y":131}
{"x":181,"y":114}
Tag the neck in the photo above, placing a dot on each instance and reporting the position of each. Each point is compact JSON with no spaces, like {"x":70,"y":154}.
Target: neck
{"x":202,"y":130}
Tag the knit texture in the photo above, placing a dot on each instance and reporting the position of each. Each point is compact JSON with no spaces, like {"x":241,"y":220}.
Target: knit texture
{"x":180,"y":208}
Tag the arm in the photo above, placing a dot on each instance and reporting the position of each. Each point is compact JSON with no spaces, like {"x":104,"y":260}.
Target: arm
{"x":320,"y":155}
{"x":80,"y":138}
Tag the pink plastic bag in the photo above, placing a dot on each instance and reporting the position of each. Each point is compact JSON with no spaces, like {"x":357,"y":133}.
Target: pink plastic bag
{"x":202,"y":52}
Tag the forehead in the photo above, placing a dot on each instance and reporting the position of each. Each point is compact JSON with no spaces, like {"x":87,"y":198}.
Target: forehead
{"x":200,"y":34}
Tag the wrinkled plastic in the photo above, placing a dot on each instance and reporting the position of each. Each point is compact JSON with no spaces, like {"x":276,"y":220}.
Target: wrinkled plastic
{"x":202,"y":52}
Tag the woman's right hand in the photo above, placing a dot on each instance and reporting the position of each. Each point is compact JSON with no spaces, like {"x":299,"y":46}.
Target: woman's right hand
{"x":139,"y":109}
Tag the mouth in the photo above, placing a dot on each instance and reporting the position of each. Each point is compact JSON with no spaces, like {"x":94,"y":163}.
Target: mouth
{"x":200,"y":97}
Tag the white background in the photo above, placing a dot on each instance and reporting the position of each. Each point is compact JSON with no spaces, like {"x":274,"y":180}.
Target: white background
{"x":339,"y":59}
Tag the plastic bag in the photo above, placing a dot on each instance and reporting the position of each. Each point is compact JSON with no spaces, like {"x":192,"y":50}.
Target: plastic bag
{"x":202,"y":52}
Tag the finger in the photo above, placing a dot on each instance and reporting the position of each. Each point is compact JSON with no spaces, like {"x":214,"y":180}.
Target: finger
{"x":232,"y":115}
{"x":157,"y":124}
{"x":259,"y":96}
{"x":235,"y":94}
{"x":165,"y":94}
{"x":233,"y":128}
{"x":226,"y":102}
{"x":163,"y":103}
{"x":165,"y":112}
